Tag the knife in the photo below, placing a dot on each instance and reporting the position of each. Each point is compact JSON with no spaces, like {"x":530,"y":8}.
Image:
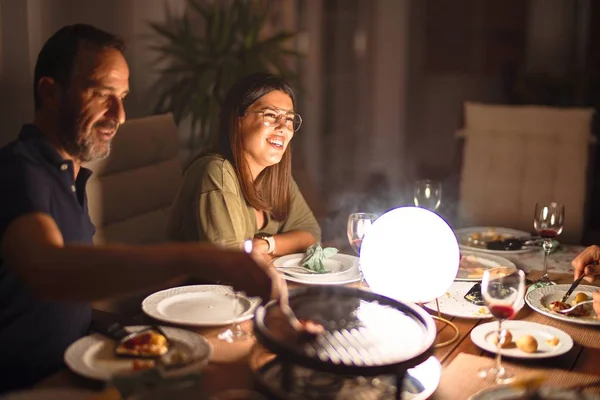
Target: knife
{"x":570,"y":291}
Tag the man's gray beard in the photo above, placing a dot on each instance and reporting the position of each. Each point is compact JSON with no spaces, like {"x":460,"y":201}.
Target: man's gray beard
{"x":82,"y":150}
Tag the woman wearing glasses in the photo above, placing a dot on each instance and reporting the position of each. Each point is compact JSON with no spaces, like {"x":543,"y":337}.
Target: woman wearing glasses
{"x":244,"y":188}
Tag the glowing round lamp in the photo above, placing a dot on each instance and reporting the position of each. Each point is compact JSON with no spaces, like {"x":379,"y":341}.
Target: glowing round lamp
{"x":410,"y":254}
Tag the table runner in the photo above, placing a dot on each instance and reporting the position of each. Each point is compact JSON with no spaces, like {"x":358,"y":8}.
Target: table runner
{"x":460,"y":380}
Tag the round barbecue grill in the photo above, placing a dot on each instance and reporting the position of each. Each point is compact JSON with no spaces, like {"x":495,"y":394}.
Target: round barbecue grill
{"x":366,"y":335}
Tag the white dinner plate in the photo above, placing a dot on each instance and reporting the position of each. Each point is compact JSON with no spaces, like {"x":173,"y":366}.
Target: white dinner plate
{"x":483,"y":336}
{"x":93,"y":356}
{"x":335,"y":265}
{"x":508,"y":392}
{"x":351,"y":275}
{"x":539,"y":299}
{"x":454,"y":304}
{"x":49,"y":394}
{"x":463,"y":235}
{"x":200,"y":305}
{"x":473,"y":264}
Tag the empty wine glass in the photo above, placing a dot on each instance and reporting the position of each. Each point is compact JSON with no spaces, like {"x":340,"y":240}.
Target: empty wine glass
{"x":501,"y":289}
{"x":548,"y":221}
{"x":238,"y":333}
{"x":427,"y":194}
{"x":358,"y":225}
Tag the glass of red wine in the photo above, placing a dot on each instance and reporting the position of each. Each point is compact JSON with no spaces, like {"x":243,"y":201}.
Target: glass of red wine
{"x":548,"y":221}
{"x":501,"y":288}
{"x":358,"y":225}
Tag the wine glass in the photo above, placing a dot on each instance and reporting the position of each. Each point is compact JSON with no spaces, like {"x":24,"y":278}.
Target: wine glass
{"x":548,"y":221}
{"x":427,"y":194}
{"x":501,"y":288}
{"x":237,"y":334}
{"x":358,"y":225}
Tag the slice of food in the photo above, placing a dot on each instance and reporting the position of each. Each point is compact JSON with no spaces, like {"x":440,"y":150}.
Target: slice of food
{"x":139,"y":365}
{"x":150,"y":343}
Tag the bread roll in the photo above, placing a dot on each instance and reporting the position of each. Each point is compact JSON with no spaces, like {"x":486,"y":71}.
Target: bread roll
{"x":527,"y":343}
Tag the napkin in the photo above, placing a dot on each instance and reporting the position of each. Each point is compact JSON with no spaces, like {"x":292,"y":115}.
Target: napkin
{"x":315,"y":255}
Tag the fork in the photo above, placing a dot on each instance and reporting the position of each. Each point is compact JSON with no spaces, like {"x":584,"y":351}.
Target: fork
{"x":297,"y":269}
{"x":568,"y":310}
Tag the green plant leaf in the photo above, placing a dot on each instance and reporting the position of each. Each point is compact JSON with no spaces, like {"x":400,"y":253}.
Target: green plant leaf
{"x":196,"y":71}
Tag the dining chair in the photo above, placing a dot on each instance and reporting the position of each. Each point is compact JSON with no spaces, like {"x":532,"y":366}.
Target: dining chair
{"x":131,"y":191}
{"x":515,"y":156}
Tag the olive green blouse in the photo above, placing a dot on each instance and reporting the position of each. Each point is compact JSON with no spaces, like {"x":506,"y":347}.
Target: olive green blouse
{"x":210,"y":207}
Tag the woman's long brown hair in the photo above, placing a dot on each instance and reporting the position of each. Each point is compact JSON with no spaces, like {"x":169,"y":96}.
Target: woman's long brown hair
{"x":270,"y":191}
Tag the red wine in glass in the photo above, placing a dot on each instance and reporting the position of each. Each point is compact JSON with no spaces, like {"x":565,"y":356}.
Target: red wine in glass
{"x":502,"y":311}
{"x":548,"y":233}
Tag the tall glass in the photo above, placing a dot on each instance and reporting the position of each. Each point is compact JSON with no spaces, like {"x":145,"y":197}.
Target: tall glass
{"x":358,"y":225}
{"x":548,"y":221}
{"x":501,"y":289}
{"x":427,"y":194}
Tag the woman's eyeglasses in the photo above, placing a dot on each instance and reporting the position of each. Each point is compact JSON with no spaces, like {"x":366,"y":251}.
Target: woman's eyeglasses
{"x":272,"y":118}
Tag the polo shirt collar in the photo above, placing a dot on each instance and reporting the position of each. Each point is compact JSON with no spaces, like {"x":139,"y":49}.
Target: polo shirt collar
{"x":31,"y":133}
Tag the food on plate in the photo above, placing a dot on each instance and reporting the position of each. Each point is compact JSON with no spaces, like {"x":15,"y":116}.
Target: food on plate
{"x":150,"y":343}
{"x":527,"y":343}
{"x":580,"y":297}
{"x":507,"y":339}
{"x":554,"y":341}
{"x":483,"y":310}
{"x":480,"y":239}
{"x":577,"y":312}
{"x":139,"y":365}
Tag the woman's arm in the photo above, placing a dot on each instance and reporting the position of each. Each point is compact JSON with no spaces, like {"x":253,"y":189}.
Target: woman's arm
{"x":299,"y":231}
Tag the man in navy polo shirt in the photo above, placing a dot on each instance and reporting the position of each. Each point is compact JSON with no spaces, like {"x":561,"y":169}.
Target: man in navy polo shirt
{"x":49,"y":270}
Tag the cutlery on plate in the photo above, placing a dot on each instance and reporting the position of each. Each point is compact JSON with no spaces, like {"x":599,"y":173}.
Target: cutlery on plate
{"x":573,"y":286}
{"x":568,"y":310}
{"x":296,"y":269}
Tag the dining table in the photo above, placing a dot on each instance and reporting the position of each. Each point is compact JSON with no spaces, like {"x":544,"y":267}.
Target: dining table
{"x":232,"y":365}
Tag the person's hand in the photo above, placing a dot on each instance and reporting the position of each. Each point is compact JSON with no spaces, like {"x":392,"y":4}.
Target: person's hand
{"x":584,"y":263}
{"x":250,"y":274}
{"x":259,"y":250}
{"x":596,"y":303}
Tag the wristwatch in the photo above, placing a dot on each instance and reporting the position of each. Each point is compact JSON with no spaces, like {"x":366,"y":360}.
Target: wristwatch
{"x":269,"y":239}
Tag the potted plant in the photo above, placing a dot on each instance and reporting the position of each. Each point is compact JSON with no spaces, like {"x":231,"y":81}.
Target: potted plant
{"x":202,"y":66}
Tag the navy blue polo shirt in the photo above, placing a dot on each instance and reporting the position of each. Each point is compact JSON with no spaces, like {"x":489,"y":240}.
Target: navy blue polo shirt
{"x":34,"y":332}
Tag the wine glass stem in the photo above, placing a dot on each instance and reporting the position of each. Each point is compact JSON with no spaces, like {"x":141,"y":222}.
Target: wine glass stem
{"x":547,"y":244}
{"x":500,"y":343}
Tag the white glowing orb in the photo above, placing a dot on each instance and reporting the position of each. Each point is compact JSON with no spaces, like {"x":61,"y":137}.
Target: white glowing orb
{"x":410,"y":254}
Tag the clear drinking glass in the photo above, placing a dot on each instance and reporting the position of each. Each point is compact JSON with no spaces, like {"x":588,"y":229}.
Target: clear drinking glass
{"x":427,"y":194}
{"x":237,"y":333}
{"x":358,"y":225}
{"x":501,"y":289}
{"x":548,"y":221}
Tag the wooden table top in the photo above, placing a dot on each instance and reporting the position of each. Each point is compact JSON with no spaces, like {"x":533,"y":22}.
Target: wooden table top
{"x":232,"y":365}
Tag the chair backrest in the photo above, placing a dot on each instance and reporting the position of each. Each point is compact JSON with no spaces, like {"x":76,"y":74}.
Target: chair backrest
{"x":131,"y":192}
{"x":515,"y":156}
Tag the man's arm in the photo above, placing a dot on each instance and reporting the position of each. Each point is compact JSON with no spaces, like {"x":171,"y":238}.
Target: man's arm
{"x":33,"y":247}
